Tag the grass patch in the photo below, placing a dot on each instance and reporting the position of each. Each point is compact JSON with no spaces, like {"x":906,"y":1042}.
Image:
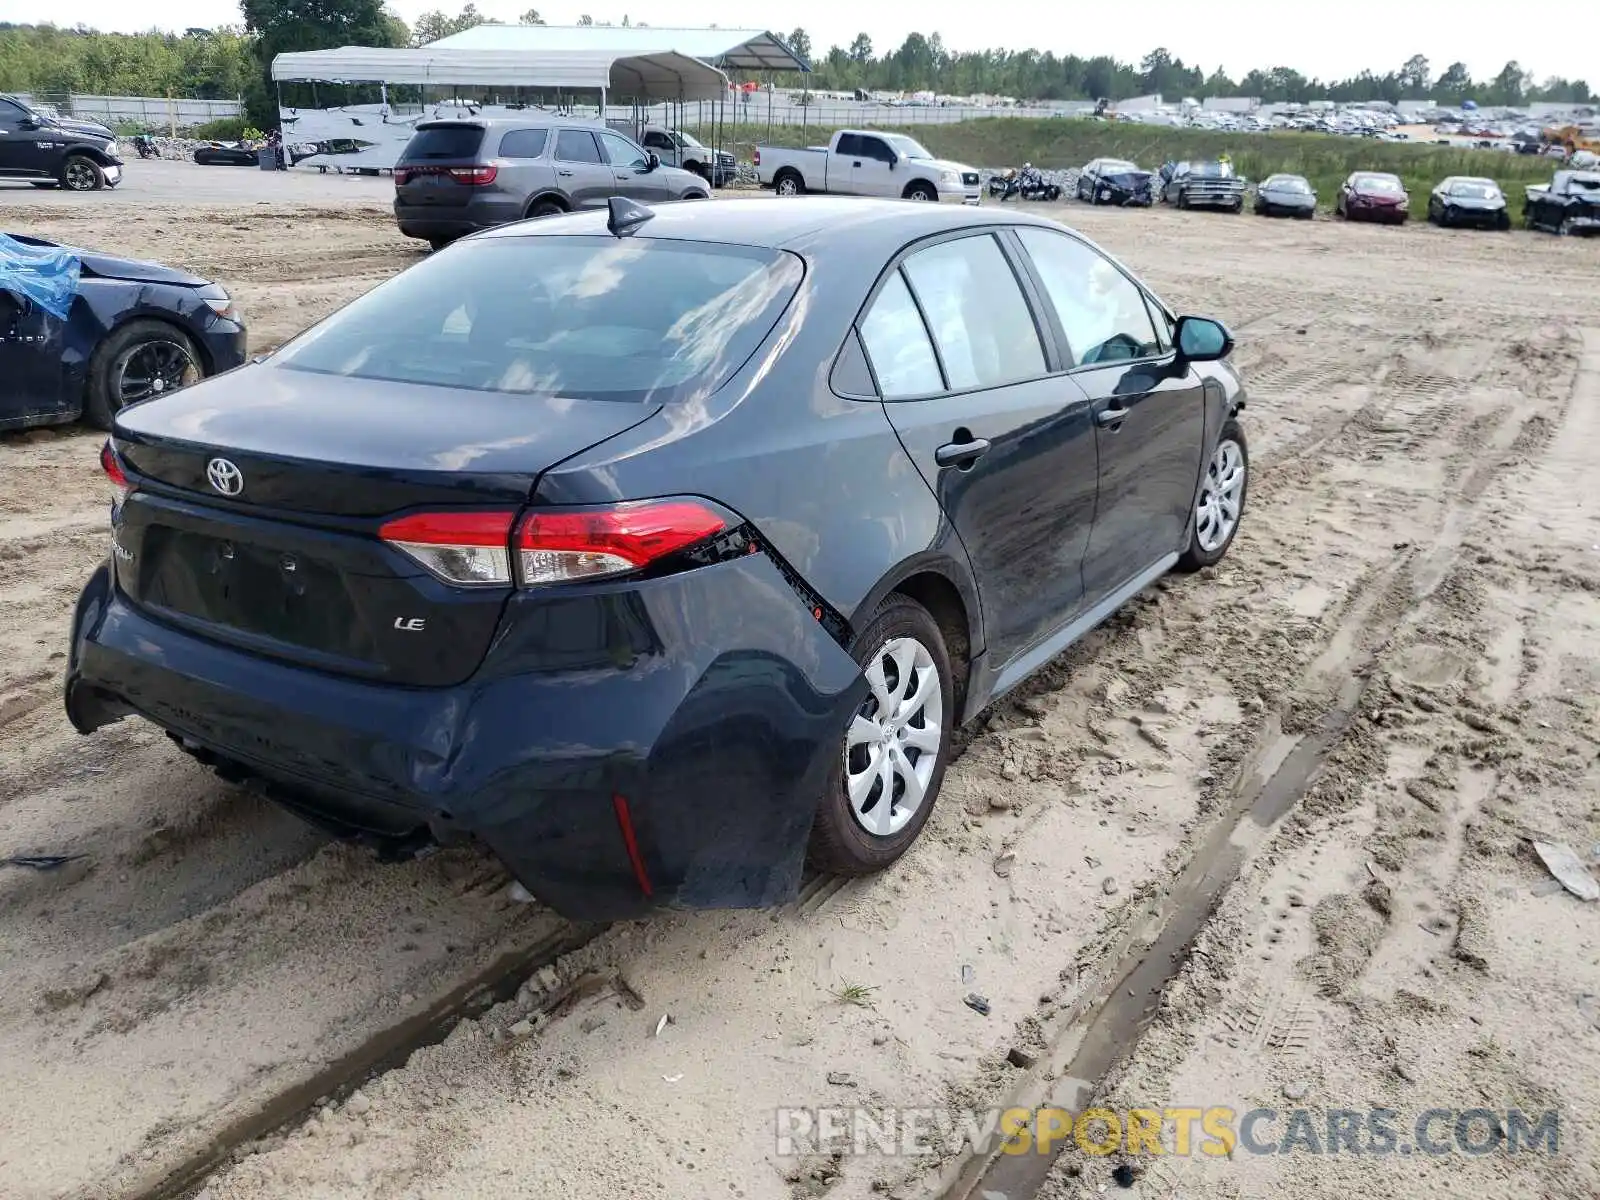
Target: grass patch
{"x":858,"y":994}
{"x":224,"y":129}
{"x":1325,"y":159}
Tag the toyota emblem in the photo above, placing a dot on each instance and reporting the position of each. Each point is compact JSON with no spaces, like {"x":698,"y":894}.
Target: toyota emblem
{"x":225,"y":477}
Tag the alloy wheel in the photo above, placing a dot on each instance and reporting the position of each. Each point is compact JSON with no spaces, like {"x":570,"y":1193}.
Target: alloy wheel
{"x":892,"y":746}
{"x":787,"y":187}
{"x":153,"y":368}
{"x":81,"y":175}
{"x":1221,"y":495}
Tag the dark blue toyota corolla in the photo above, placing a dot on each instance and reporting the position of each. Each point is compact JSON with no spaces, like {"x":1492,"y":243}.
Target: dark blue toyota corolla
{"x":653,"y":550}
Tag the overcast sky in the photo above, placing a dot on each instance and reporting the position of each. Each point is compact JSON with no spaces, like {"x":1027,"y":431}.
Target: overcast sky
{"x":1318,"y":39}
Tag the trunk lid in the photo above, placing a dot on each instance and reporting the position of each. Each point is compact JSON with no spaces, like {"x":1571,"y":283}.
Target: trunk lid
{"x":277,"y":549}
{"x":427,"y":174}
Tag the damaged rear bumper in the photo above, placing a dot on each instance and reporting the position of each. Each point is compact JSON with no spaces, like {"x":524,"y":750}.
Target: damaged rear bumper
{"x":658,"y":744}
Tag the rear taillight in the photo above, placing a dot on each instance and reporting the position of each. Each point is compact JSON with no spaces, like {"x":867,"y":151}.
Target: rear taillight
{"x":401,"y":175}
{"x":464,"y":547}
{"x":474,"y":176}
{"x":556,"y":546}
{"x":758,"y":157}
{"x":112,"y":466}
{"x":552,"y":545}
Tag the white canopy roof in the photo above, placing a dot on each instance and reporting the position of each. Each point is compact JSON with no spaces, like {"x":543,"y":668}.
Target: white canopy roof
{"x":660,"y":75}
{"x":730,"y":49}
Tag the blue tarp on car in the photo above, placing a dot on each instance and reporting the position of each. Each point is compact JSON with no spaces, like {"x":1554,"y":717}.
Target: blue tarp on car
{"x":46,"y":275}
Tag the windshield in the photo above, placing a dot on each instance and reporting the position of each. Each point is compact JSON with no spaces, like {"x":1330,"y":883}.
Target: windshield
{"x":905,"y":147}
{"x":685,"y":140}
{"x":590,"y":317}
{"x":1378,"y":183}
{"x":1287,"y":183}
{"x":1213,"y":170}
{"x":1476,"y":191}
{"x":1115,"y":166}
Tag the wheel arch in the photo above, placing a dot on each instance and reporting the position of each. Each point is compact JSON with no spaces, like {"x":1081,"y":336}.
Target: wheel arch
{"x":923,"y":185}
{"x":90,"y":151}
{"x":949,"y":595}
{"x":546,"y":197}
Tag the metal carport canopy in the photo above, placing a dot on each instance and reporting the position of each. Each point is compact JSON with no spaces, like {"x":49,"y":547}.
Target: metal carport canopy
{"x":660,"y":75}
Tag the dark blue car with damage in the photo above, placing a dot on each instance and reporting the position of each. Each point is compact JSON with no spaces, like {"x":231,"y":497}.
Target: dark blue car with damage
{"x":653,"y":550}
{"x":99,"y":332}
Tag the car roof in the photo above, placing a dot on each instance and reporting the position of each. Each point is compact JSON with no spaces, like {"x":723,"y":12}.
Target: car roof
{"x":527,"y":122}
{"x":805,"y":223}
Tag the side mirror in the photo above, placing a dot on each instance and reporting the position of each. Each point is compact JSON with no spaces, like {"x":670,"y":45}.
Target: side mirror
{"x":893,"y":158}
{"x":654,"y":160}
{"x":27,"y":123}
{"x":1200,"y":339}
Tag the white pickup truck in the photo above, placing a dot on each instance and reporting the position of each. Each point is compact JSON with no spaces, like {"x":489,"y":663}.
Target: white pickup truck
{"x":861,"y":162}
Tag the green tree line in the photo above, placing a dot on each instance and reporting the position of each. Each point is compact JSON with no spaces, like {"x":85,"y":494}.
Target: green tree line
{"x":232,"y":61}
{"x":922,"y":63}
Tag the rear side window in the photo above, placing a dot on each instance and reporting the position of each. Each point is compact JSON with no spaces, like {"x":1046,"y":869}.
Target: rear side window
{"x":591,"y":318}
{"x":1101,"y":310}
{"x":444,"y":141}
{"x":976,"y":312}
{"x":897,"y":344}
{"x":577,"y":145}
{"x":850,"y":144}
{"x":524,"y":143}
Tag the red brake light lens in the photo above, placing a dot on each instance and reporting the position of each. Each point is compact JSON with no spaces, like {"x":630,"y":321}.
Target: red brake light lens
{"x":561,"y":546}
{"x":459,"y":547}
{"x":474,"y":176}
{"x":110,"y":464}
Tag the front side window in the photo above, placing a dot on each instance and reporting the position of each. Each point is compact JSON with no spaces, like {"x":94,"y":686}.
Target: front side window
{"x":1102,"y":312}
{"x":873,"y":148}
{"x":976,"y":311}
{"x":897,"y":344}
{"x":585,"y":318}
{"x":577,"y":146}
{"x":623,"y":153}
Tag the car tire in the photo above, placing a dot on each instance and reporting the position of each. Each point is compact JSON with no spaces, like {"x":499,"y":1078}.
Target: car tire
{"x":545,"y":208}
{"x":921,"y":192}
{"x":80,"y":173}
{"x":694,"y":195}
{"x":788,"y":183}
{"x":103,"y":400}
{"x":1219,"y":509}
{"x":437,"y":244}
{"x":901,"y":632}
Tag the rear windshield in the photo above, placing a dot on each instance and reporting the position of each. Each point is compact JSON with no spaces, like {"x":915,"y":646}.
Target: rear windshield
{"x":443,"y":141}
{"x":592,"y":318}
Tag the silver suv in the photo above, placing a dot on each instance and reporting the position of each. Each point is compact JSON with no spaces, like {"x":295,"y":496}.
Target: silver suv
{"x":456,"y":177}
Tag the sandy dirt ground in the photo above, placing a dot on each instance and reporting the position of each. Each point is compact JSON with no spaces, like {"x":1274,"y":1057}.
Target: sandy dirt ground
{"x":1408,"y":625}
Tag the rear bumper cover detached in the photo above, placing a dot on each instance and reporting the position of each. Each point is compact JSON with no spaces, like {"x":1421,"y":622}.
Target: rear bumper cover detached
{"x":657,"y":745}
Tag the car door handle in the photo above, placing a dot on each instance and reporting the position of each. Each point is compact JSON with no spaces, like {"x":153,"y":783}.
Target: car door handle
{"x":961,"y":454}
{"x":562,"y":172}
{"x":857,"y":163}
{"x":1111,"y":416}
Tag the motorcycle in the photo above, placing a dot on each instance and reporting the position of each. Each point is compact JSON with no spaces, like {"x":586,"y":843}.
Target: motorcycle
{"x":1004,"y":185}
{"x":146,"y":146}
{"x":1032,"y":185}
